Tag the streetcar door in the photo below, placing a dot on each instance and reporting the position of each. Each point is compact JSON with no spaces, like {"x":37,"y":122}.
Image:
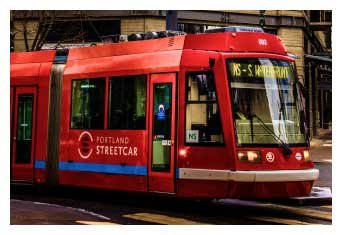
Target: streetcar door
{"x":161,"y":170}
{"x":23,"y":133}
{"x":11,"y":107}
{"x":11,"y":123}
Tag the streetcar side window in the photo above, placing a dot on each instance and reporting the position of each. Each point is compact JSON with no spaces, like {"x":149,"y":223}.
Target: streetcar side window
{"x":127,"y":103}
{"x":203,"y":122}
{"x":87,"y":103}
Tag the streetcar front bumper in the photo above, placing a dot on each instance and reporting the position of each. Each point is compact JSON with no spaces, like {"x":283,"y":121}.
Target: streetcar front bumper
{"x":247,"y":184}
{"x":249,"y":176}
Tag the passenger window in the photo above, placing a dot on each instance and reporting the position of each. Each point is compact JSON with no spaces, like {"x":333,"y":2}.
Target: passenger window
{"x":127,"y":103}
{"x":203,"y":123}
{"x":87,"y":104}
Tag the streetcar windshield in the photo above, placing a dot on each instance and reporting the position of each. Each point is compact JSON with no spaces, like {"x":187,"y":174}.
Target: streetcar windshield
{"x":266,"y":102}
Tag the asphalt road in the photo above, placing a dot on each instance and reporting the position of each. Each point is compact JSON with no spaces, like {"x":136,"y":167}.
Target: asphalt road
{"x":83,"y":206}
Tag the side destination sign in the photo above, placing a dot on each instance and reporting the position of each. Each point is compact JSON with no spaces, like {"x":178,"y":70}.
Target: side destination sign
{"x":259,"y":71}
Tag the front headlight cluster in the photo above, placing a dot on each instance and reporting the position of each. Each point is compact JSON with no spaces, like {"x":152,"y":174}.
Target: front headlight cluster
{"x":249,"y":156}
{"x":307,"y":157}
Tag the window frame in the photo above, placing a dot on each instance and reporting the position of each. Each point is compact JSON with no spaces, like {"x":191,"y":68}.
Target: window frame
{"x":186,"y":102}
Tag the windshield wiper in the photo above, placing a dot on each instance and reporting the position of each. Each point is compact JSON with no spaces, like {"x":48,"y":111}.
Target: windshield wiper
{"x":287,"y":150}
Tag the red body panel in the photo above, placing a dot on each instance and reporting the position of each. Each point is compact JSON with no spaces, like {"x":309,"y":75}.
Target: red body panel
{"x":213,"y":157}
{"x":120,"y":149}
{"x":236,"y":42}
{"x":269,"y":189}
{"x":281,"y":162}
{"x":40,"y":176}
{"x":101,"y":147}
{"x":32,"y":57}
{"x":124,"y":65}
{"x":31,"y":69}
{"x":104,"y":181}
{"x":127,"y":48}
{"x":202,"y":189}
{"x":242,"y":190}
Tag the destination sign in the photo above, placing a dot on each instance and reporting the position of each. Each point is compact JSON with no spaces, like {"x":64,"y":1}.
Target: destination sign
{"x":259,"y":71}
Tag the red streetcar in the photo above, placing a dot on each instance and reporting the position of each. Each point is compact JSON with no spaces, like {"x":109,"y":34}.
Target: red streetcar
{"x":213,"y":115}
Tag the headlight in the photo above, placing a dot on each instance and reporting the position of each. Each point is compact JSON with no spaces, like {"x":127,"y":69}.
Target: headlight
{"x":306,"y":154}
{"x":249,"y":156}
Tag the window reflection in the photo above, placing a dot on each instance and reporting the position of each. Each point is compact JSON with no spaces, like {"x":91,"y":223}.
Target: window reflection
{"x":88,"y":99}
{"x":127,"y":103}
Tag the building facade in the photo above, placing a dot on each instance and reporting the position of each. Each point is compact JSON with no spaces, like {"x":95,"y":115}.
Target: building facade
{"x":306,"y":34}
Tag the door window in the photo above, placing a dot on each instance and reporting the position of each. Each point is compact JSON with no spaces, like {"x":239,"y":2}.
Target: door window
{"x":24,"y":129}
{"x":161,"y":127}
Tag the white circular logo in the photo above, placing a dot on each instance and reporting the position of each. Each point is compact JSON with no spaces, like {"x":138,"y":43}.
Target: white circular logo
{"x":84,"y":147}
{"x":270,"y":157}
{"x":298,"y":156}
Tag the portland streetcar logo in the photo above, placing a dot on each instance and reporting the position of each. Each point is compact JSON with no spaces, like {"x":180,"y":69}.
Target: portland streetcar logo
{"x":270,"y":157}
{"x":84,"y":148}
{"x":105,"y":146}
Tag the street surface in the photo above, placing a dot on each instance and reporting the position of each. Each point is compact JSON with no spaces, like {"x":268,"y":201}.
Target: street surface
{"x":98,"y":207}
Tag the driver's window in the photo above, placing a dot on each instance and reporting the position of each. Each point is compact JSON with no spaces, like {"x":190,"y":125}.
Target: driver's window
{"x":203,"y":122}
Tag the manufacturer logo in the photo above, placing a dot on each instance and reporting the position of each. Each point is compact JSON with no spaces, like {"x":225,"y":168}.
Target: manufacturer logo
{"x":262,"y":42}
{"x":270,"y":157}
{"x":84,"y":148}
{"x":298,"y":156}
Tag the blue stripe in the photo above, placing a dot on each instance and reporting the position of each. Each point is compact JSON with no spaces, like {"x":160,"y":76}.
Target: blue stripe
{"x":39,"y":164}
{"x":96,"y":167}
{"x":103,"y":168}
{"x":177,"y":173}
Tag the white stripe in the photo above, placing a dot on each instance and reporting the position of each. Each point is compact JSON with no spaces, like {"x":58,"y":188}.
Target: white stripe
{"x":249,"y":176}
{"x":67,"y":207}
